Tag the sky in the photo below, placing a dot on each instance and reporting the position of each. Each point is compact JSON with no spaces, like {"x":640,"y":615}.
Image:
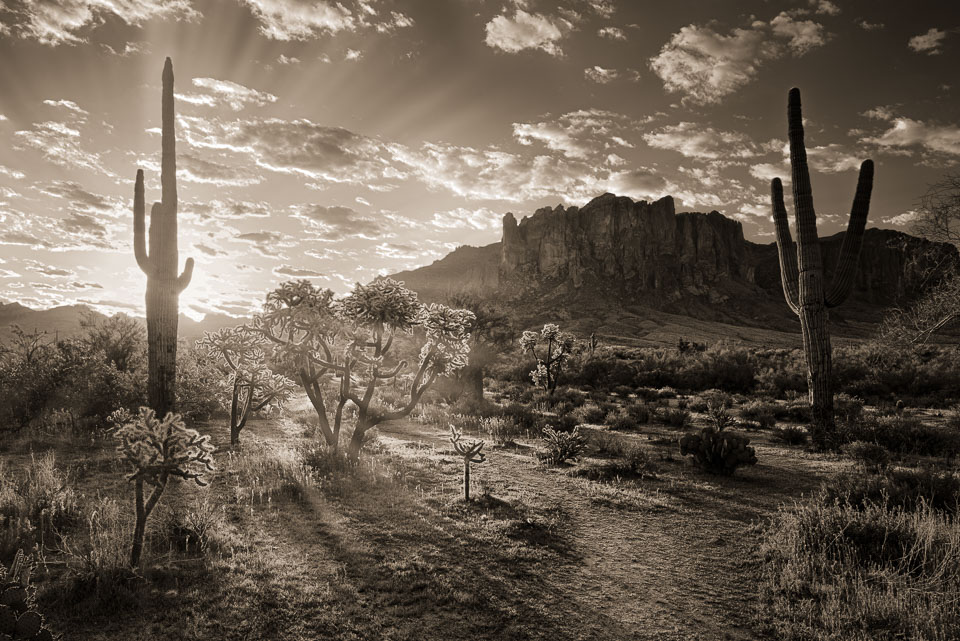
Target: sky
{"x":338,"y":140}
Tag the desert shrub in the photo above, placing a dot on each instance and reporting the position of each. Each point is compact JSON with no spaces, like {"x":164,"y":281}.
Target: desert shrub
{"x":870,"y":455}
{"x":564,"y":422}
{"x":622,"y":422}
{"x":953,"y":418}
{"x":902,"y":434}
{"x":718,"y":451}
{"x":524,"y":418}
{"x":797,"y":410}
{"x":666,"y":393}
{"x":906,"y":489}
{"x":501,"y":430}
{"x":763,"y":413}
{"x":561,"y":446}
{"x":472,"y":406}
{"x":647,"y":393}
{"x":36,"y":505}
{"x":719,"y":417}
{"x":728,"y":368}
{"x":192,"y":528}
{"x":590,"y":414}
{"x":791,"y":435}
{"x":433,"y":414}
{"x":674,"y":417}
{"x":639,"y":412}
{"x":623,"y":391}
{"x":835,"y":571}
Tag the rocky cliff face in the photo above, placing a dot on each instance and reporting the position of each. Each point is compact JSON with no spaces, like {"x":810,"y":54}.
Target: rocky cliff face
{"x":639,"y":246}
{"x":656,"y":256}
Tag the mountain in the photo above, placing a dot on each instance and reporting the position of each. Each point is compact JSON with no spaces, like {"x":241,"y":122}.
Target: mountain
{"x":64,"y":321}
{"x":638,"y":268}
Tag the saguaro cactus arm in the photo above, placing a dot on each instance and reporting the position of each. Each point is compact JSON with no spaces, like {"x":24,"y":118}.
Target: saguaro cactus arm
{"x":785,"y":248}
{"x":853,"y":239}
{"x":139,"y":227}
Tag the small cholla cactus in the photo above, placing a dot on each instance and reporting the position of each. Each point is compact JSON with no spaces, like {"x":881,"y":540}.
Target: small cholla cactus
{"x":562,"y":446}
{"x":555,"y":348}
{"x":159,"y":451}
{"x":471,"y":453}
{"x":19,"y":618}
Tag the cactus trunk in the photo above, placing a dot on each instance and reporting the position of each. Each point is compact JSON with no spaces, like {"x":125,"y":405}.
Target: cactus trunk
{"x":801,"y":269}
{"x":160,"y":265}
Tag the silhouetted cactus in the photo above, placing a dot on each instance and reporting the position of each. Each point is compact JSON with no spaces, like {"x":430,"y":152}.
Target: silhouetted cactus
{"x":561,"y":446}
{"x":160,"y":265}
{"x":19,"y":618}
{"x":801,"y":270}
{"x":718,"y":451}
{"x":471,"y":453}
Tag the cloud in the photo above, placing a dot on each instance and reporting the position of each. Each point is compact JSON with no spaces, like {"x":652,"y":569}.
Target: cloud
{"x":527,"y":31}
{"x":295,"y":272}
{"x":697,"y":141}
{"x":267,"y":243}
{"x":869,"y":26}
{"x":613,"y":33}
{"x":929,"y":42}
{"x":287,"y":60}
{"x":462,"y":218}
{"x":56,"y":22}
{"x":906,"y":132}
{"x":327,"y":154}
{"x":337,"y":222}
{"x":578,"y":134}
{"x":768,"y":171}
{"x":68,"y":105}
{"x":708,"y":66}
{"x":831,"y":159}
{"x":224,"y":92}
{"x":59,"y":144}
{"x":902,"y":220}
{"x":300,"y":19}
{"x":600,"y":75}
{"x":825,"y":7}
{"x":12,"y":173}
{"x":224,"y":210}
{"x":77,"y":195}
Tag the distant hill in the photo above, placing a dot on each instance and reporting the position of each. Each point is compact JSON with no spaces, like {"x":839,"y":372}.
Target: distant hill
{"x":643,"y":274}
{"x":64,"y":322}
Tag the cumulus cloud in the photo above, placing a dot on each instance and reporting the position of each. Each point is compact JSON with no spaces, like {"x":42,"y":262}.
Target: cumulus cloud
{"x":697,"y":141}
{"x":223,"y":92}
{"x":869,"y":26}
{"x":300,"y":19}
{"x":902,"y":220}
{"x":59,"y":143}
{"x":527,"y":31}
{"x":327,"y":154}
{"x":68,"y":105}
{"x":267,"y":243}
{"x":336,"y":222}
{"x":578,"y":134}
{"x":825,"y":7}
{"x":905,"y":133}
{"x":56,"y":22}
{"x":600,"y":75}
{"x":708,"y":66}
{"x":77,"y":195}
{"x":463,"y":218}
{"x":929,"y":42}
{"x":295,"y":272}
{"x":229,"y":209}
{"x":613,"y":33}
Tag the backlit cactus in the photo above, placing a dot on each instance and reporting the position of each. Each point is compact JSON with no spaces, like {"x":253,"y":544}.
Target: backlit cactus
{"x":471,"y":453}
{"x":161,"y":263}
{"x":19,"y":618}
{"x":801,"y":269}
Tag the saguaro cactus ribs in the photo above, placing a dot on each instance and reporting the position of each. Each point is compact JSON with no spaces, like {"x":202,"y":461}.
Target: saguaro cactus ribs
{"x":801,"y":270}
{"x":161,"y":264}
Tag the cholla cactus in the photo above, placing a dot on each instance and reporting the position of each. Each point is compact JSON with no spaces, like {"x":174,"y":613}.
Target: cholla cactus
{"x":471,"y":453}
{"x":562,"y":446}
{"x":19,"y":618}
{"x":555,"y":348}
{"x":253,"y":387}
{"x":158,"y":451}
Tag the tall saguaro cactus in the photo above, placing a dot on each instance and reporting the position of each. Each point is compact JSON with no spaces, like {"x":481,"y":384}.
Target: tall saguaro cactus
{"x":161,"y":264}
{"x":801,"y":270}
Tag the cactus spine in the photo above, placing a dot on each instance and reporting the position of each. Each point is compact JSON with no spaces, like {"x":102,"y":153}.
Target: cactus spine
{"x":801,"y":270}
{"x":160,"y":265}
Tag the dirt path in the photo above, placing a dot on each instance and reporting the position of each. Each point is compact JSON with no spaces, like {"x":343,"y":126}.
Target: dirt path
{"x":671,"y":571}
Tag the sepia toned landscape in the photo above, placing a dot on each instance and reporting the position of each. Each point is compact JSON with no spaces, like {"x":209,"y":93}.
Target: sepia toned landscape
{"x":580,"y":319}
